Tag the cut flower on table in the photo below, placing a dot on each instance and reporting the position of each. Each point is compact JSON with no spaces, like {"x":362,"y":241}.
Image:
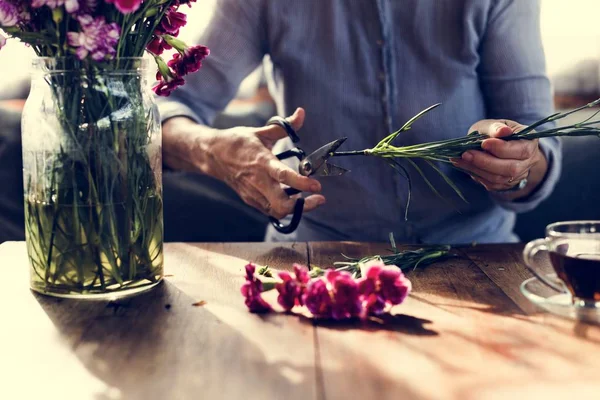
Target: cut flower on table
{"x":337,"y":295}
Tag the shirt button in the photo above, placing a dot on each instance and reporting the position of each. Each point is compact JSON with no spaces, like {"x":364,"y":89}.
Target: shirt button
{"x":379,"y":43}
{"x":382,"y":76}
{"x":384,"y":99}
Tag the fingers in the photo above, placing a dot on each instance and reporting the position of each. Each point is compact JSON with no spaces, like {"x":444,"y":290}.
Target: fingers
{"x":495,"y":187}
{"x":313,"y":201}
{"x":515,"y":149}
{"x":480,"y":160}
{"x":496,"y":128}
{"x":272,"y":133}
{"x":285,"y":175}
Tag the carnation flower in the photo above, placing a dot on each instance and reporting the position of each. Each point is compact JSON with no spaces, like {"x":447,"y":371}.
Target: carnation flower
{"x":190,"y":61}
{"x":9,"y":14}
{"x":172,"y":22}
{"x":70,"y":5}
{"x":126,"y":6}
{"x":252,"y":292}
{"x":318,"y":300}
{"x":292,"y":289}
{"x":383,"y":285}
{"x":158,"y":45}
{"x":347,"y":301}
{"x":2,"y":41}
{"x":288,"y":291}
{"x":97,"y":38}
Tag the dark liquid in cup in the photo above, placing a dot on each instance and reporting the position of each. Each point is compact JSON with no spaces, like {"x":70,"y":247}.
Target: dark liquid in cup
{"x":580,"y":272}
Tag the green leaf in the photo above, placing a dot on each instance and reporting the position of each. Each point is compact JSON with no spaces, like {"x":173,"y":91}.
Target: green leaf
{"x":448,"y":180}
{"x":427,"y":181}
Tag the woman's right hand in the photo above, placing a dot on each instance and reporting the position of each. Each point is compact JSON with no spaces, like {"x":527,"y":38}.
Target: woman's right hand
{"x":241,"y":157}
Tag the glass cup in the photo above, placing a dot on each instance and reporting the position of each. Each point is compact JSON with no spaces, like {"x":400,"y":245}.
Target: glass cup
{"x":574,"y":250}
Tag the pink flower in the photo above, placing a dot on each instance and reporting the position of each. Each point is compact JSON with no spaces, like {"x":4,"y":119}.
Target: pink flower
{"x":70,"y":5}
{"x":158,"y":45}
{"x":191,"y":61}
{"x":125,"y":6}
{"x":383,"y":285}
{"x":318,"y":300}
{"x":172,"y":22}
{"x":394,"y":285}
{"x":2,"y":41}
{"x":288,"y":291}
{"x":167,"y":85}
{"x":347,"y":302}
{"x":251,"y":290}
{"x":291,"y":290}
{"x":97,"y":38}
{"x":302,"y":278}
{"x":9,"y":14}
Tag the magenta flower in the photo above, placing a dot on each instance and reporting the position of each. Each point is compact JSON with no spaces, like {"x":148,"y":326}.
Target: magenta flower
{"x":318,"y":299}
{"x":9,"y":14}
{"x":97,"y":38}
{"x":158,"y":45}
{"x":291,"y":289}
{"x":252,"y":290}
{"x":191,"y":61}
{"x":2,"y":41}
{"x":302,"y":278}
{"x":374,"y":304}
{"x":288,"y":291}
{"x":125,"y":6}
{"x":394,"y":285}
{"x":383,"y":285}
{"x":347,"y":301}
{"x":172,"y":22}
{"x":167,"y":85}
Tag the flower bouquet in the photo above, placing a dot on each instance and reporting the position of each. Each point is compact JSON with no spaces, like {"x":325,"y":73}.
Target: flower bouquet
{"x":92,"y":139}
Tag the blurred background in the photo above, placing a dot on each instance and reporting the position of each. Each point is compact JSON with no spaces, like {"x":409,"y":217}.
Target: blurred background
{"x":571,"y":37}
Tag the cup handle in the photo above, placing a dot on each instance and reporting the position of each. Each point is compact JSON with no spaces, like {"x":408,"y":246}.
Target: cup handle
{"x":529,"y":253}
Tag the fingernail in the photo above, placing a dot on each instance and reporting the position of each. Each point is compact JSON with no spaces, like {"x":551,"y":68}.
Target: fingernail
{"x":467,"y":156}
{"x":321,"y":202}
{"x":315,"y":187}
{"x":497,"y":127}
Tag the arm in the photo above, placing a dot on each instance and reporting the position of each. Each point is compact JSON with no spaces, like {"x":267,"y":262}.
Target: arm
{"x":516,"y":88}
{"x":241,"y":157}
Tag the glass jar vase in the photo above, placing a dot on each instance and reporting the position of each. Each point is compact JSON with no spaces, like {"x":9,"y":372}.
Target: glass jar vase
{"x":92,"y":171}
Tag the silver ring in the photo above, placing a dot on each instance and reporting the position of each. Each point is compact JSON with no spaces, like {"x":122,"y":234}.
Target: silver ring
{"x":519,"y":186}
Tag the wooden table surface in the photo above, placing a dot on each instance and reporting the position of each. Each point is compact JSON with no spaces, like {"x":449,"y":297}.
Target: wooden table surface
{"x":465,"y":333}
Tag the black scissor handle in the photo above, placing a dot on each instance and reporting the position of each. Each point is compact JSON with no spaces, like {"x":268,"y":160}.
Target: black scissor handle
{"x":286,"y":229}
{"x":284,"y":123}
{"x":298,"y":153}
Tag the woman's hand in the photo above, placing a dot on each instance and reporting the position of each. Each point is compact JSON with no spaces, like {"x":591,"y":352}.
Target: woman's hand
{"x":242,"y":158}
{"x":502,"y":165}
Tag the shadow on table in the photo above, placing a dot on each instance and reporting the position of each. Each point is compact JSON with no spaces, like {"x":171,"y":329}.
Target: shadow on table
{"x":401,"y":323}
{"x":158,"y":346}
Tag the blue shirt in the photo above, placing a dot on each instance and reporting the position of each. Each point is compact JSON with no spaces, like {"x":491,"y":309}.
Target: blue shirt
{"x":361,"y":68}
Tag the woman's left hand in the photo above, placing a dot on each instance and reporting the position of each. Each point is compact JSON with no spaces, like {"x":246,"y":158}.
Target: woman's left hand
{"x":502,"y":165}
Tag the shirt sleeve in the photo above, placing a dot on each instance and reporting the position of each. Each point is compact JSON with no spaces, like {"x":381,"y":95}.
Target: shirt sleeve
{"x":514,"y":82}
{"x":236,"y":37}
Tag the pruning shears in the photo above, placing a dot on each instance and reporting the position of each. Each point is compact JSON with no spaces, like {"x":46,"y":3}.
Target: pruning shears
{"x":314,"y":164}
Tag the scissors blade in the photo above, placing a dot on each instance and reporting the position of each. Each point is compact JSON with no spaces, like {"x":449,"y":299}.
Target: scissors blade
{"x":315,"y":160}
{"x":329,"y":169}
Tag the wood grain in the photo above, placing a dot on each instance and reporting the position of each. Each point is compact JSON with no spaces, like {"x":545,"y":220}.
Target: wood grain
{"x":158,"y":345}
{"x":464,"y":333}
{"x":458,"y":336}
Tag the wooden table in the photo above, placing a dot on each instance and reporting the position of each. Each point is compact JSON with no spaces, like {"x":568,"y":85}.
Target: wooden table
{"x":465,"y":332}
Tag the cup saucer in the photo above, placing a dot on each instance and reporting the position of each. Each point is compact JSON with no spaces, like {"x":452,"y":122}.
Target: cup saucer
{"x":560,"y":304}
